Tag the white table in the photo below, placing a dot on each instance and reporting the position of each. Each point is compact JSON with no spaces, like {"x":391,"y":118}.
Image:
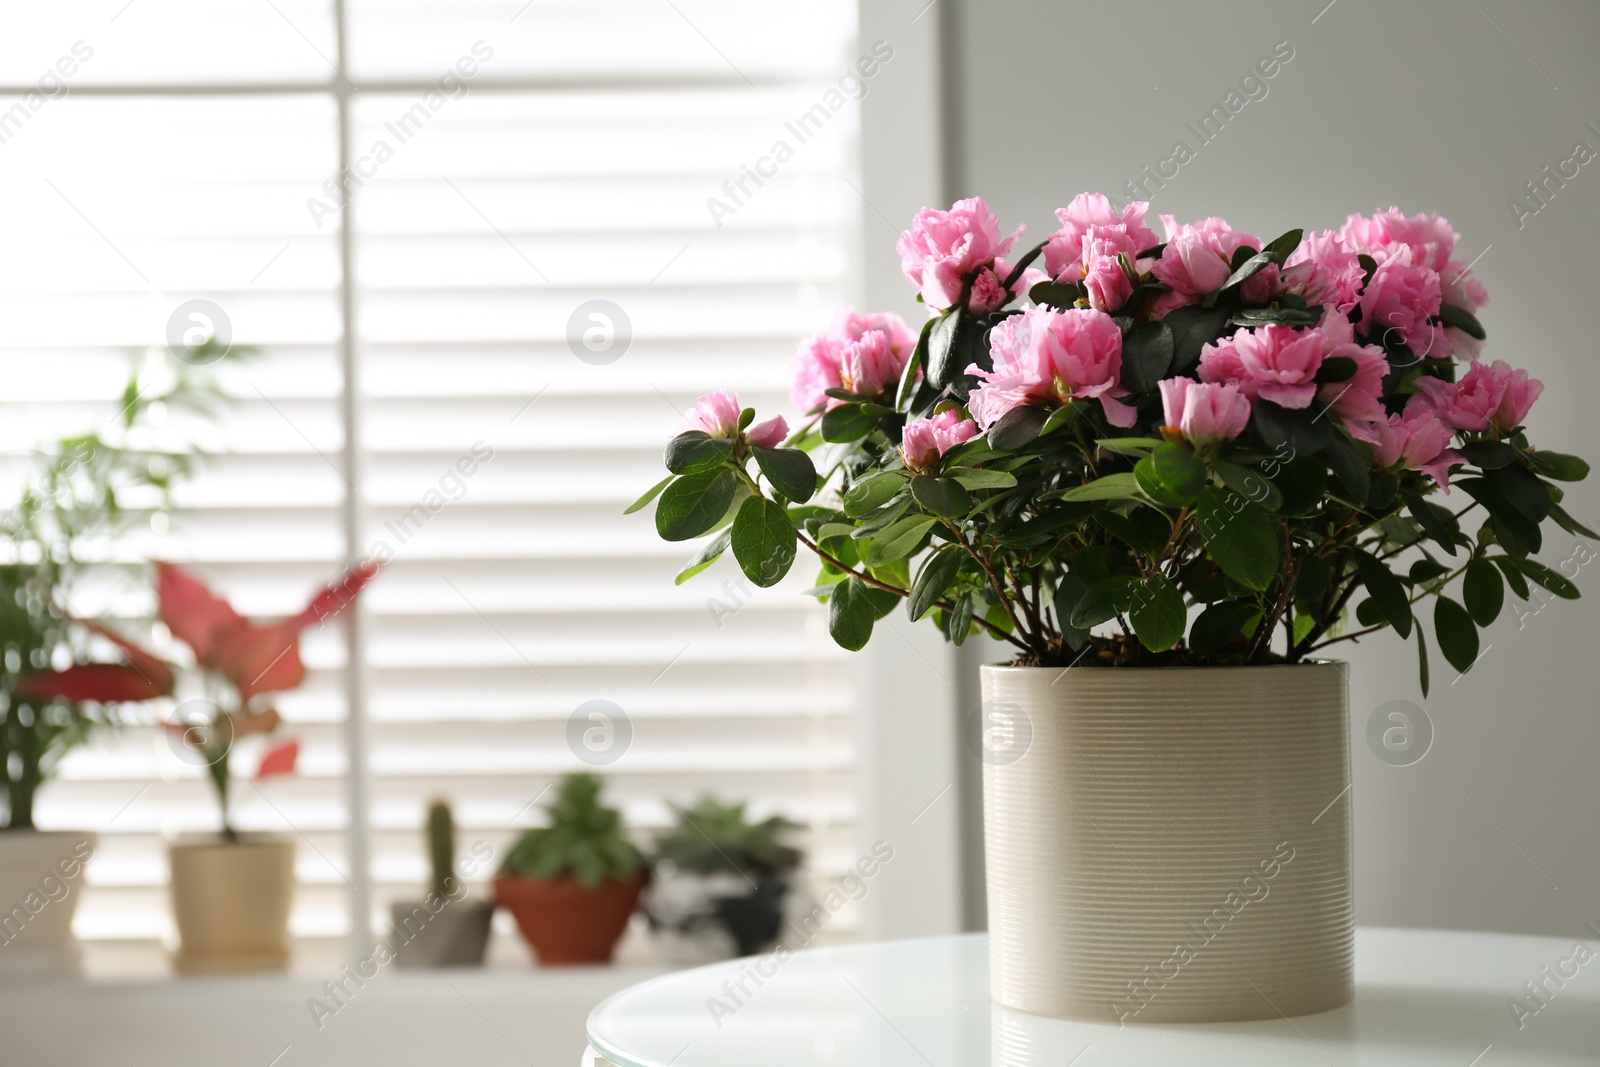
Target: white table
{"x":1422,"y":998}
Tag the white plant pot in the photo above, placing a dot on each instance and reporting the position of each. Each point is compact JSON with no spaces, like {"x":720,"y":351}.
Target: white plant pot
{"x":41,"y":878}
{"x":1168,"y":844}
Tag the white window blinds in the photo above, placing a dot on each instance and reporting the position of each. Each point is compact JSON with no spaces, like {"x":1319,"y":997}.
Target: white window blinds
{"x":509,"y":163}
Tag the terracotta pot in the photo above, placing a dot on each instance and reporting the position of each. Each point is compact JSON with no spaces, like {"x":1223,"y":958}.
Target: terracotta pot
{"x":41,"y":878}
{"x":566,"y":923}
{"x":231,"y":902}
{"x":1168,"y":844}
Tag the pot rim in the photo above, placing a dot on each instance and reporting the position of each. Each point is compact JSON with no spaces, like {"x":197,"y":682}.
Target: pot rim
{"x":216,"y":841}
{"x":1218,"y":668}
{"x":20,"y":832}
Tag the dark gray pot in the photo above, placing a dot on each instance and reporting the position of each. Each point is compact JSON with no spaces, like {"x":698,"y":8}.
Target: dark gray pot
{"x":455,"y":937}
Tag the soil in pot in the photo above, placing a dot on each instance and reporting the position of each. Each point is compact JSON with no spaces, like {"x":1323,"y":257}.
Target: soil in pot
{"x":565,"y":922}
{"x":231,"y":902}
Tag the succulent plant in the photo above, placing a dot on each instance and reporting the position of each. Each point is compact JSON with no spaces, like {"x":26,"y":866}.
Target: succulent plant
{"x":712,"y":837}
{"x":584,"y":839}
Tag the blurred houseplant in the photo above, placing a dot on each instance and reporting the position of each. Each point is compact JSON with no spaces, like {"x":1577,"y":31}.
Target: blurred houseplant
{"x":572,"y":885}
{"x":86,"y":490}
{"x":720,"y":883}
{"x":1179,"y":464}
{"x":444,"y":929}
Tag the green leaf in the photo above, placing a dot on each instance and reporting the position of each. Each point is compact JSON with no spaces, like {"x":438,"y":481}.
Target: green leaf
{"x":763,"y":541}
{"x":708,"y":554}
{"x":897,"y":541}
{"x":909,"y":379}
{"x":650,"y":494}
{"x":694,"y":504}
{"x":1060,"y":295}
{"x":849,"y":423}
{"x":1251,"y":484}
{"x":1017,"y":427}
{"x":1426,"y":570}
{"x":1437,"y":522}
{"x":790,"y":471}
{"x":1146,"y":355}
{"x":1522,"y":489}
{"x":960,"y":620}
{"x":851,"y":615}
{"x":1193,"y":328}
{"x":941,"y":368}
{"x":1171,"y":475}
{"x":1486,"y":455}
{"x":1388,"y":592}
{"x":1129,"y":446}
{"x":1484,"y":591}
{"x":1570,"y":524}
{"x":1458,"y":637}
{"x":1463,"y":320}
{"x":1221,"y":623}
{"x":872,"y":494}
{"x":1297,"y":430}
{"x":974,"y":478}
{"x":1513,"y":577}
{"x":1144,"y":529}
{"x":1061,"y":416}
{"x":1422,"y":660}
{"x":938,"y":571}
{"x":1240,"y":537}
{"x":873,"y":522}
{"x":1103,"y":600}
{"x":1281,"y":316}
{"x":1350,"y":465}
{"x":1119,"y":486}
{"x":1157,"y":613}
{"x":1250,"y":267}
{"x":694,"y":451}
{"x":1539,"y":574}
{"x":1283,"y":246}
{"x":1560,"y":466}
{"x":943,"y":496}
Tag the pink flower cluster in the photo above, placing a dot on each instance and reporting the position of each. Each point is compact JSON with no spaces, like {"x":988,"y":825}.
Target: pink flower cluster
{"x":1046,"y":357}
{"x":717,"y":414}
{"x":1415,"y":275}
{"x":1086,"y":248}
{"x":1488,"y":396}
{"x":1204,"y":413}
{"x":1197,"y":260}
{"x":862,"y":354}
{"x":925,"y":440}
{"x":950,"y":254}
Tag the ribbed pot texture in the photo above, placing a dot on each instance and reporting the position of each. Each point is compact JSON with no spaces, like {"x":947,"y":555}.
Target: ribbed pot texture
{"x":1168,"y":844}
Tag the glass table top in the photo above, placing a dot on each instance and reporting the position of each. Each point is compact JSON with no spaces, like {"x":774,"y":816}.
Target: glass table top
{"x":1422,"y":998}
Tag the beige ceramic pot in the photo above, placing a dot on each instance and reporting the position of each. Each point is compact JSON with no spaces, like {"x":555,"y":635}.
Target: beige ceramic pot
{"x":1168,"y":844}
{"x":41,"y":878}
{"x":231,"y":903}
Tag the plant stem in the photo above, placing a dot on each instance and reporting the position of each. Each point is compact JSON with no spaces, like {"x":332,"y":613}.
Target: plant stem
{"x":1452,"y":576}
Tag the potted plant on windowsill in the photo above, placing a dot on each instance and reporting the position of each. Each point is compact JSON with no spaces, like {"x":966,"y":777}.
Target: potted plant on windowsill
{"x":444,"y":929}
{"x":572,"y":885}
{"x":719,"y":884}
{"x":1172,"y":476}
{"x":81,"y":493}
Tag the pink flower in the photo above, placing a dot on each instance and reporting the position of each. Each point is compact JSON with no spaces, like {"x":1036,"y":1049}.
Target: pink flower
{"x":820,"y":362}
{"x":768,"y":434}
{"x":868,"y":366}
{"x":924,"y":440}
{"x":1459,"y":288}
{"x":1429,"y":237}
{"x":1091,"y":216}
{"x":1489,"y":394}
{"x":716,"y":413}
{"x":1401,"y":298}
{"x":1196,"y":259}
{"x":1325,"y":270}
{"x":1276,"y":363}
{"x":1106,"y":283}
{"x":1047,"y":357}
{"x":1414,"y":440}
{"x":1359,"y":398}
{"x":1204,"y":412}
{"x":944,"y":249}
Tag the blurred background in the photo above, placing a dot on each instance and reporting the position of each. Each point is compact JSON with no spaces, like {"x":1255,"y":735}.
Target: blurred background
{"x":431,"y":283}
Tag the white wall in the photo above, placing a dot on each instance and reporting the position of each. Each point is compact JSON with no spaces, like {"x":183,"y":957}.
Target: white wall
{"x":1428,"y":106}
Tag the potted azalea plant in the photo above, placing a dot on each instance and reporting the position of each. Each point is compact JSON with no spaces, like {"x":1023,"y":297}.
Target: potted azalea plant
{"x":231,"y":895}
{"x":572,"y":884}
{"x":1171,"y":476}
{"x":719,"y":883}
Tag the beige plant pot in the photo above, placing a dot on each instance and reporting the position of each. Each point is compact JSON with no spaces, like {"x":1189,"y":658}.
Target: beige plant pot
{"x":231,"y":903}
{"x":1168,"y":844}
{"x":41,"y":878}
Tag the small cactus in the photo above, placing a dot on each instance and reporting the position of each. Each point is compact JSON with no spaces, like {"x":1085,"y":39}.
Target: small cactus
{"x":441,"y":845}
